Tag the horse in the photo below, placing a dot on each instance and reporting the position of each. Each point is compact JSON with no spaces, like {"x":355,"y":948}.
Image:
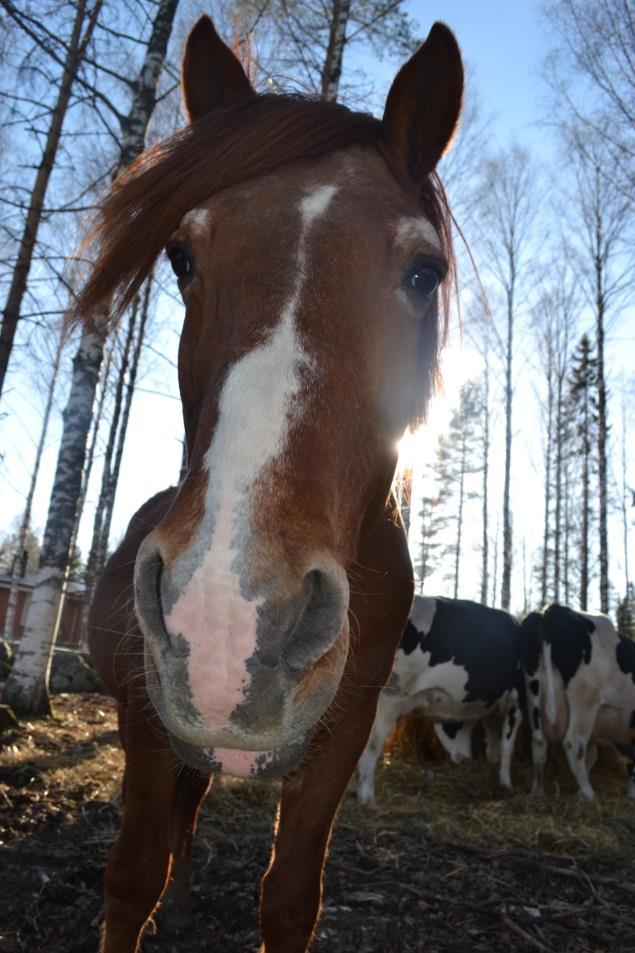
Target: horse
{"x":312,"y":248}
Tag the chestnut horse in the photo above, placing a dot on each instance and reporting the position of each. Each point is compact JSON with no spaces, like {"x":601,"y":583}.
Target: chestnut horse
{"x":310,"y":245}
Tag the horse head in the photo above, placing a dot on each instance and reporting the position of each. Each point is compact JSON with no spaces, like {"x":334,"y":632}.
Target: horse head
{"x":310,"y":244}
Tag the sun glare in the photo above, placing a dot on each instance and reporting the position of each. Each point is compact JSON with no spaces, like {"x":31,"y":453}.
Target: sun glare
{"x":418,"y":447}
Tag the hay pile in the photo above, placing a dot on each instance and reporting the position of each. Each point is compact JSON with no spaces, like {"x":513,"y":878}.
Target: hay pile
{"x":467,"y":802}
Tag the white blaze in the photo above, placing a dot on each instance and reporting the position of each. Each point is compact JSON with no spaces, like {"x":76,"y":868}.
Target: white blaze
{"x":258,"y":405}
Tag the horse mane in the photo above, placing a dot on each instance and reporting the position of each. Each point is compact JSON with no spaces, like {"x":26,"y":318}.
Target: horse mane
{"x":241,"y":140}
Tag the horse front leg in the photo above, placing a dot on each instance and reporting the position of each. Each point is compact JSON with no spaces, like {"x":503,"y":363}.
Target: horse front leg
{"x":292,"y":887}
{"x":139,"y":861}
{"x":191,"y":787}
{"x":380,"y":604}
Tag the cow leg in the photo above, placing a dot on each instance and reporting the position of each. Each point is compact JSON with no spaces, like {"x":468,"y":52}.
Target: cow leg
{"x":575,"y":745}
{"x":139,"y":861}
{"x":538,"y":740}
{"x":388,"y":711}
{"x":176,"y":906}
{"x":591,"y":755}
{"x":538,"y":758}
{"x":511,"y":724}
{"x":628,"y":751}
{"x":456,"y":738}
{"x":492,"y":740}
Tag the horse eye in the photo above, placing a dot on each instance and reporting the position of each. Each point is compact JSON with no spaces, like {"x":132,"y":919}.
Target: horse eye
{"x":424,"y":281}
{"x":182,"y":264}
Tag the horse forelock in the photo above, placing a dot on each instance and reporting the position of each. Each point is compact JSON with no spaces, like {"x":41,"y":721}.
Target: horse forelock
{"x":237,"y":142}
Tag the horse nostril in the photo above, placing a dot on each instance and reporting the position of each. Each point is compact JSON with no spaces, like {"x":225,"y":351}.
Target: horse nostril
{"x":319,"y":621}
{"x":150,"y":571}
{"x":160,"y":566}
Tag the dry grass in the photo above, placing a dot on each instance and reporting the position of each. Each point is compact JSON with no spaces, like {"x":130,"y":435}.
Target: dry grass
{"x":467,"y":802}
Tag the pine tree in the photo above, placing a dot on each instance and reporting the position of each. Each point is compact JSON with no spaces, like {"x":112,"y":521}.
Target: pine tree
{"x":458,"y":458}
{"x":427,"y":554}
{"x":626,"y":613}
{"x":582,"y":389}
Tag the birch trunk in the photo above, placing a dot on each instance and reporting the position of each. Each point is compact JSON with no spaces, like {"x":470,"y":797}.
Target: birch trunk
{"x":113,"y":482}
{"x":27,"y":688}
{"x":485,"y":491}
{"x":625,"y":495}
{"x":459,"y":521}
{"x":90,"y":458}
{"x":14,"y":585}
{"x":507,"y":521}
{"x":558,"y":533}
{"x":332,"y":69}
{"x":602,"y":441}
{"x":496,"y":551}
{"x":508,"y":210}
{"x":566,"y":561}
{"x":94,"y":563}
{"x":584,"y":547}
{"x":74,"y":54}
{"x":546,"y":533}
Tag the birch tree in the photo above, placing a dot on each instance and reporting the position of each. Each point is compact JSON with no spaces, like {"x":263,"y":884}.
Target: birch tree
{"x":485,"y":469}
{"x":306,"y":43}
{"x":124,"y":392}
{"x":507,"y":214}
{"x":627,"y":498}
{"x":25,"y":522}
{"x":600,"y":216}
{"x":591,"y":70}
{"x":82,"y":30}
{"x":27,"y":688}
{"x":555,"y":316}
{"x":480,"y":331}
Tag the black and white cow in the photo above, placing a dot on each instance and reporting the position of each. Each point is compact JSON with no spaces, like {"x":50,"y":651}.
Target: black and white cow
{"x":580,"y":677}
{"x":458,"y":663}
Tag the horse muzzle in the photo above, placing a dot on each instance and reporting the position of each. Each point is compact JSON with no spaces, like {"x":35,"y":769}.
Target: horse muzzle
{"x":228,"y":672}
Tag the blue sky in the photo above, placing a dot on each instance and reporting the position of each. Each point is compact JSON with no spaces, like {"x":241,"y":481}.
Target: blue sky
{"x":504,"y":42}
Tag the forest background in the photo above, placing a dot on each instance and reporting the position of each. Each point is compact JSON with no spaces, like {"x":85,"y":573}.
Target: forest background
{"x":520,"y":489}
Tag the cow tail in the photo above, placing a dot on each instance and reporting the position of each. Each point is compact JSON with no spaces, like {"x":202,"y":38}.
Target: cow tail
{"x":551,"y":688}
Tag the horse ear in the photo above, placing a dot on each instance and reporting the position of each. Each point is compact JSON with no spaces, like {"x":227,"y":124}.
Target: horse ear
{"x":424,"y":103}
{"x":210,"y":74}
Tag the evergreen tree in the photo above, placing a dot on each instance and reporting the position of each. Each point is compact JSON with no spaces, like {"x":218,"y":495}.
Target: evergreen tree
{"x":459,"y":456}
{"x":433,"y":522}
{"x":584,"y":423}
{"x":626,"y":613}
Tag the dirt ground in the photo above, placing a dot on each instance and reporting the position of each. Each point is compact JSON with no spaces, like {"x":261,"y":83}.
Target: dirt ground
{"x":446,"y":863}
